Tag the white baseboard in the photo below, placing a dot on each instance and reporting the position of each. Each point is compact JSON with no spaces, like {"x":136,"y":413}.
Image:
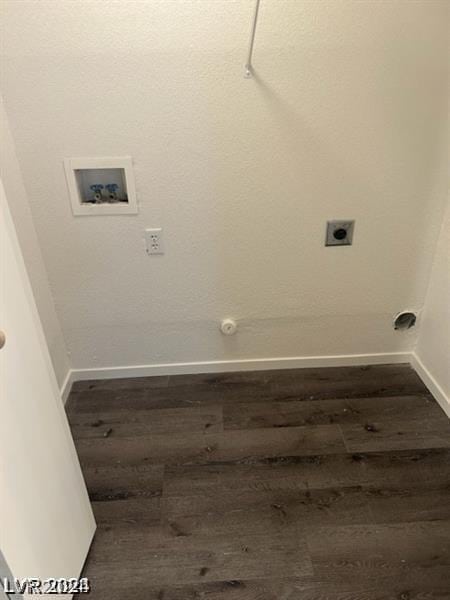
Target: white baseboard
{"x":224,"y":366}
{"x":66,"y":385}
{"x":431,"y":383}
{"x":261,"y":364}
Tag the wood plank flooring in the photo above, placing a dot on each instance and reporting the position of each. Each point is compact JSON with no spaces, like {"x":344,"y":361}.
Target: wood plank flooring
{"x":311,"y":484}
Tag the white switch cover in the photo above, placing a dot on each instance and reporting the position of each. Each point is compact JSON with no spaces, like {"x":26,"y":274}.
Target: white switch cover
{"x":154,"y":241}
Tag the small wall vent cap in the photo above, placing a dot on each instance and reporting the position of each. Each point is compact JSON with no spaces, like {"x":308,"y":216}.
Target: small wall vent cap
{"x":228,"y":326}
{"x":405,"y":320}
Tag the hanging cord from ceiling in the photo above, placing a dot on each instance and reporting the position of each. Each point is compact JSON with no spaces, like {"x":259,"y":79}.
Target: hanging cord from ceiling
{"x":248,"y":65}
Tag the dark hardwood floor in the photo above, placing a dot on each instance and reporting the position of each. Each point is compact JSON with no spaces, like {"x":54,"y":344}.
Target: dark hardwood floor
{"x":311,"y":484}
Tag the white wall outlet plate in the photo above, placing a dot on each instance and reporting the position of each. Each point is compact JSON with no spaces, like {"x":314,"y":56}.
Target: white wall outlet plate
{"x":154,"y":241}
{"x":101,"y":186}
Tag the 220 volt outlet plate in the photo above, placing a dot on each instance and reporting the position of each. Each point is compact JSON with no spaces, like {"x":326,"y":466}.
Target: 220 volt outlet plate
{"x":339,"y":233}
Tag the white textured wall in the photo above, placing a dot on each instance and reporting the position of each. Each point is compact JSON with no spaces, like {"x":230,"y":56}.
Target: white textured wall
{"x":345,"y":120}
{"x":433,"y":347}
{"x":26,"y":233}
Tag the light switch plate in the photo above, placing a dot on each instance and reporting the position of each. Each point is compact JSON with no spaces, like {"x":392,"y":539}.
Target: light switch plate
{"x":339,"y":233}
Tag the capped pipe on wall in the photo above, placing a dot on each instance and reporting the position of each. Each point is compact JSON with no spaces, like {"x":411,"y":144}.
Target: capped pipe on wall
{"x":248,"y":65}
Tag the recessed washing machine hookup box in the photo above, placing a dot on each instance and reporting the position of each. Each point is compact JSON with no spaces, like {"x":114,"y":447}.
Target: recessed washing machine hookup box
{"x":101,"y":186}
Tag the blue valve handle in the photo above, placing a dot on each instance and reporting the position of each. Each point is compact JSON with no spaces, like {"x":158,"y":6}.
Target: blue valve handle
{"x":112,"y":187}
{"x":97,"y":187}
